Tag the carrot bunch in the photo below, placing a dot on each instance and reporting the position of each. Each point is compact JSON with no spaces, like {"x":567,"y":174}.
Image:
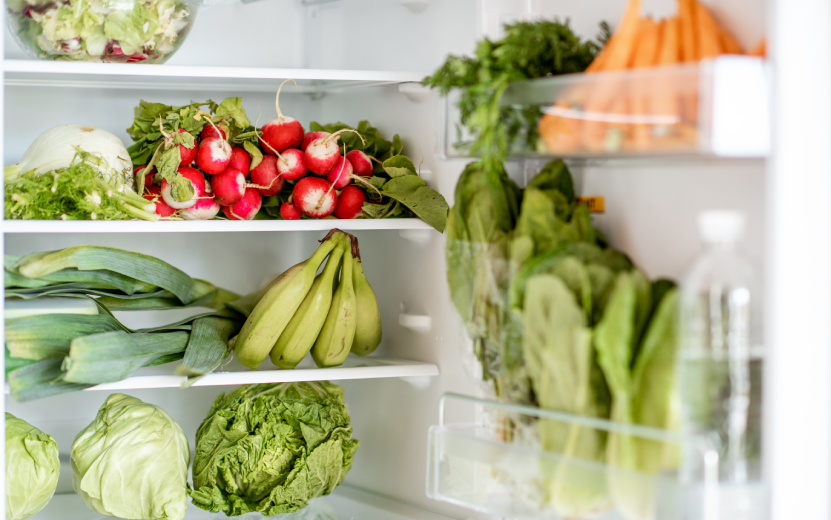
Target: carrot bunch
{"x":655,"y":109}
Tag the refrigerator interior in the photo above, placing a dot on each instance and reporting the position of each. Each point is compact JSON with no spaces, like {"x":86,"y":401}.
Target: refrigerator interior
{"x":651,"y":205}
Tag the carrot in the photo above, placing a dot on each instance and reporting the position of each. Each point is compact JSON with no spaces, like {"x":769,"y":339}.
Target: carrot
{"x":599,"y":61}
{"x":646,"y":52}
{"x":728,"y":43}
{"x":760,"y":50}
{"x":709,"y":43}
{"x":669,"y":52}
{"x":686,"y":14}
{"x":620,"y":55}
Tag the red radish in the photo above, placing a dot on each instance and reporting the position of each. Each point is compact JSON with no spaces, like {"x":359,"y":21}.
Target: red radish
{"x":148,"y":176}
{"x":204,"y":209}
{"x":240,"y":160}
{"x":361,"y":164}
{"x":311,"y":136}
{"x":290,"y":166}
{"x":245,"y":209}
{"x":186,"y":155}
{"x":322,"y":154}
{"x":314,"y":197}
{"x":350,"y":203}
{"x":282,"y":133}
{"x":213,"y":155}
{"x":228,"y":187}
{"x":289,"y":211}
{"x":197,"y":180}
{"x":341,"y":175}
{"x":209,"y":131}
{"x":267,"y":177}
{"x":154,"y":194}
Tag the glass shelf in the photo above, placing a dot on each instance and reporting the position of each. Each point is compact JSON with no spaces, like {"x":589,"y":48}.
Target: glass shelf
{"x":715,"y":108}
{"x":527,"y":463}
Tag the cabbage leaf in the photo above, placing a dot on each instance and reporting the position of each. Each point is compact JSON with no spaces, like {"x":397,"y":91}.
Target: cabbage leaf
{"x":32,"y":468}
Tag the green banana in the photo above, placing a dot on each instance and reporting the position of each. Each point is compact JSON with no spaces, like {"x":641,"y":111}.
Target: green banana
{"x":335,"y":339}
{"x":300,"y":334}
{"x":276,"y":307}
{"x":368,"y":330}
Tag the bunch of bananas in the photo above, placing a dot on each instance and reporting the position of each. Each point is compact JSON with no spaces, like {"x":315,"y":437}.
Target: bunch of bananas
{"x":302,"y":311}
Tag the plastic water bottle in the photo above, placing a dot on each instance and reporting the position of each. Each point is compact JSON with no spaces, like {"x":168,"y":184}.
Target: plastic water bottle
{"x":720,"y":362}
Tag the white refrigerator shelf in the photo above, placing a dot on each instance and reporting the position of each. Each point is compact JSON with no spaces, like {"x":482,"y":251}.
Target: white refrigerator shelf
{"x":201,"y":226}
{"x":355,"y":367}
{"x":59,"y":74}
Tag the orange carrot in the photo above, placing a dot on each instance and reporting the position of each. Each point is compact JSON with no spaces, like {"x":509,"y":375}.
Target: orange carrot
{"x":728,"y":43}
{"x":709,"y":43}
{"x":669,"y":52}
{"x":647,"y":50}
{"x":760,"y":50}
{"x":599,"y":61}
{"x":686,"y":14}
{"x":620,"y":55}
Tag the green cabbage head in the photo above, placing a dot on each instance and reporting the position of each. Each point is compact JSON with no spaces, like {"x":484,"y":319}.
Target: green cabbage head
{"x":271,"y":448}
{"x":132,"y":462}
{"x":32,"y":468}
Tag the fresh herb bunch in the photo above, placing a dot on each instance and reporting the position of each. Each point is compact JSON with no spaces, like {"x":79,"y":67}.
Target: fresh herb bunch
{"x":529,"y":50}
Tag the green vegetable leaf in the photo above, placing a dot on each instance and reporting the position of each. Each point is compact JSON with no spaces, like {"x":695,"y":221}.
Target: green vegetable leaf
{"x":186,"y":139}
{"x":425,"y":202}
{"x":231,"y":108}
{"x":254,"y":152}
{"x":181,"y":188}
{"x":399,"y":166}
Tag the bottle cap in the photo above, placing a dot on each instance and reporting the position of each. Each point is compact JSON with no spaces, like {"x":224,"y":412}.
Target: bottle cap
{"x":721,"y":225}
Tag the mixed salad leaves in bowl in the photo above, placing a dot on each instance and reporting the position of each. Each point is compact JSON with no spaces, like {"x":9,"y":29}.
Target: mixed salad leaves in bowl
{"x":120,"y":31}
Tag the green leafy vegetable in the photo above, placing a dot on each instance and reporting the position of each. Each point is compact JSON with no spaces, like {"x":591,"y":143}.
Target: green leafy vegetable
{"x":425,"y":202}
{"x":74,"y":193}
{"x":272,"y":448}
{"x":32,"y":468}
{"x":132,"y":462}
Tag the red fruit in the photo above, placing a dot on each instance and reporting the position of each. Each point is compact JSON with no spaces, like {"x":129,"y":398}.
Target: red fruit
{"x":311,"y":136}
{"x":341,"y":174}
{"x":291,"y":166}
{"x":314,"y":197}
{"x":197,"y":181}
{"x":267,"y":176}
{"x":204,"y":209}
{"x":186,"y":155}
{"x":361,"y":163}
{"x":213,"y":155}
{"x":282,"y":133}
{"x":245,"y":209}
{"x":350,"y":203}
{"x":228,"y":187}
{"x":289,"y":211}
{"x":322,"y":155}
{"x":154,"y":194}
{"x":240,"y":160}
{"x":209,"y":131}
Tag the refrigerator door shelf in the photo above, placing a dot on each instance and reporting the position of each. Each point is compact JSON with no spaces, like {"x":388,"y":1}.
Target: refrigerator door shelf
{"x":716,"y":108}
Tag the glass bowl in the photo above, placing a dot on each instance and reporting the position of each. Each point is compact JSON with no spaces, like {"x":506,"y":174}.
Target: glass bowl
{"x":109,"y":31}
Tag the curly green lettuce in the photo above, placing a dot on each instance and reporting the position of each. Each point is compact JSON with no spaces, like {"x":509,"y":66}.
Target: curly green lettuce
{"x":271,"y":448}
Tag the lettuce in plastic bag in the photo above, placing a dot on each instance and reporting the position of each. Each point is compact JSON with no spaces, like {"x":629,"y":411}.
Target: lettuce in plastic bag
{"x":271,"y":448}
{"x":32,"y":468}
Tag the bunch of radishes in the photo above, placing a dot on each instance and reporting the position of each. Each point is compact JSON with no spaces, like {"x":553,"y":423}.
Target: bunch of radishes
{"x":219,"y":181}
{"x":310,"y":162}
